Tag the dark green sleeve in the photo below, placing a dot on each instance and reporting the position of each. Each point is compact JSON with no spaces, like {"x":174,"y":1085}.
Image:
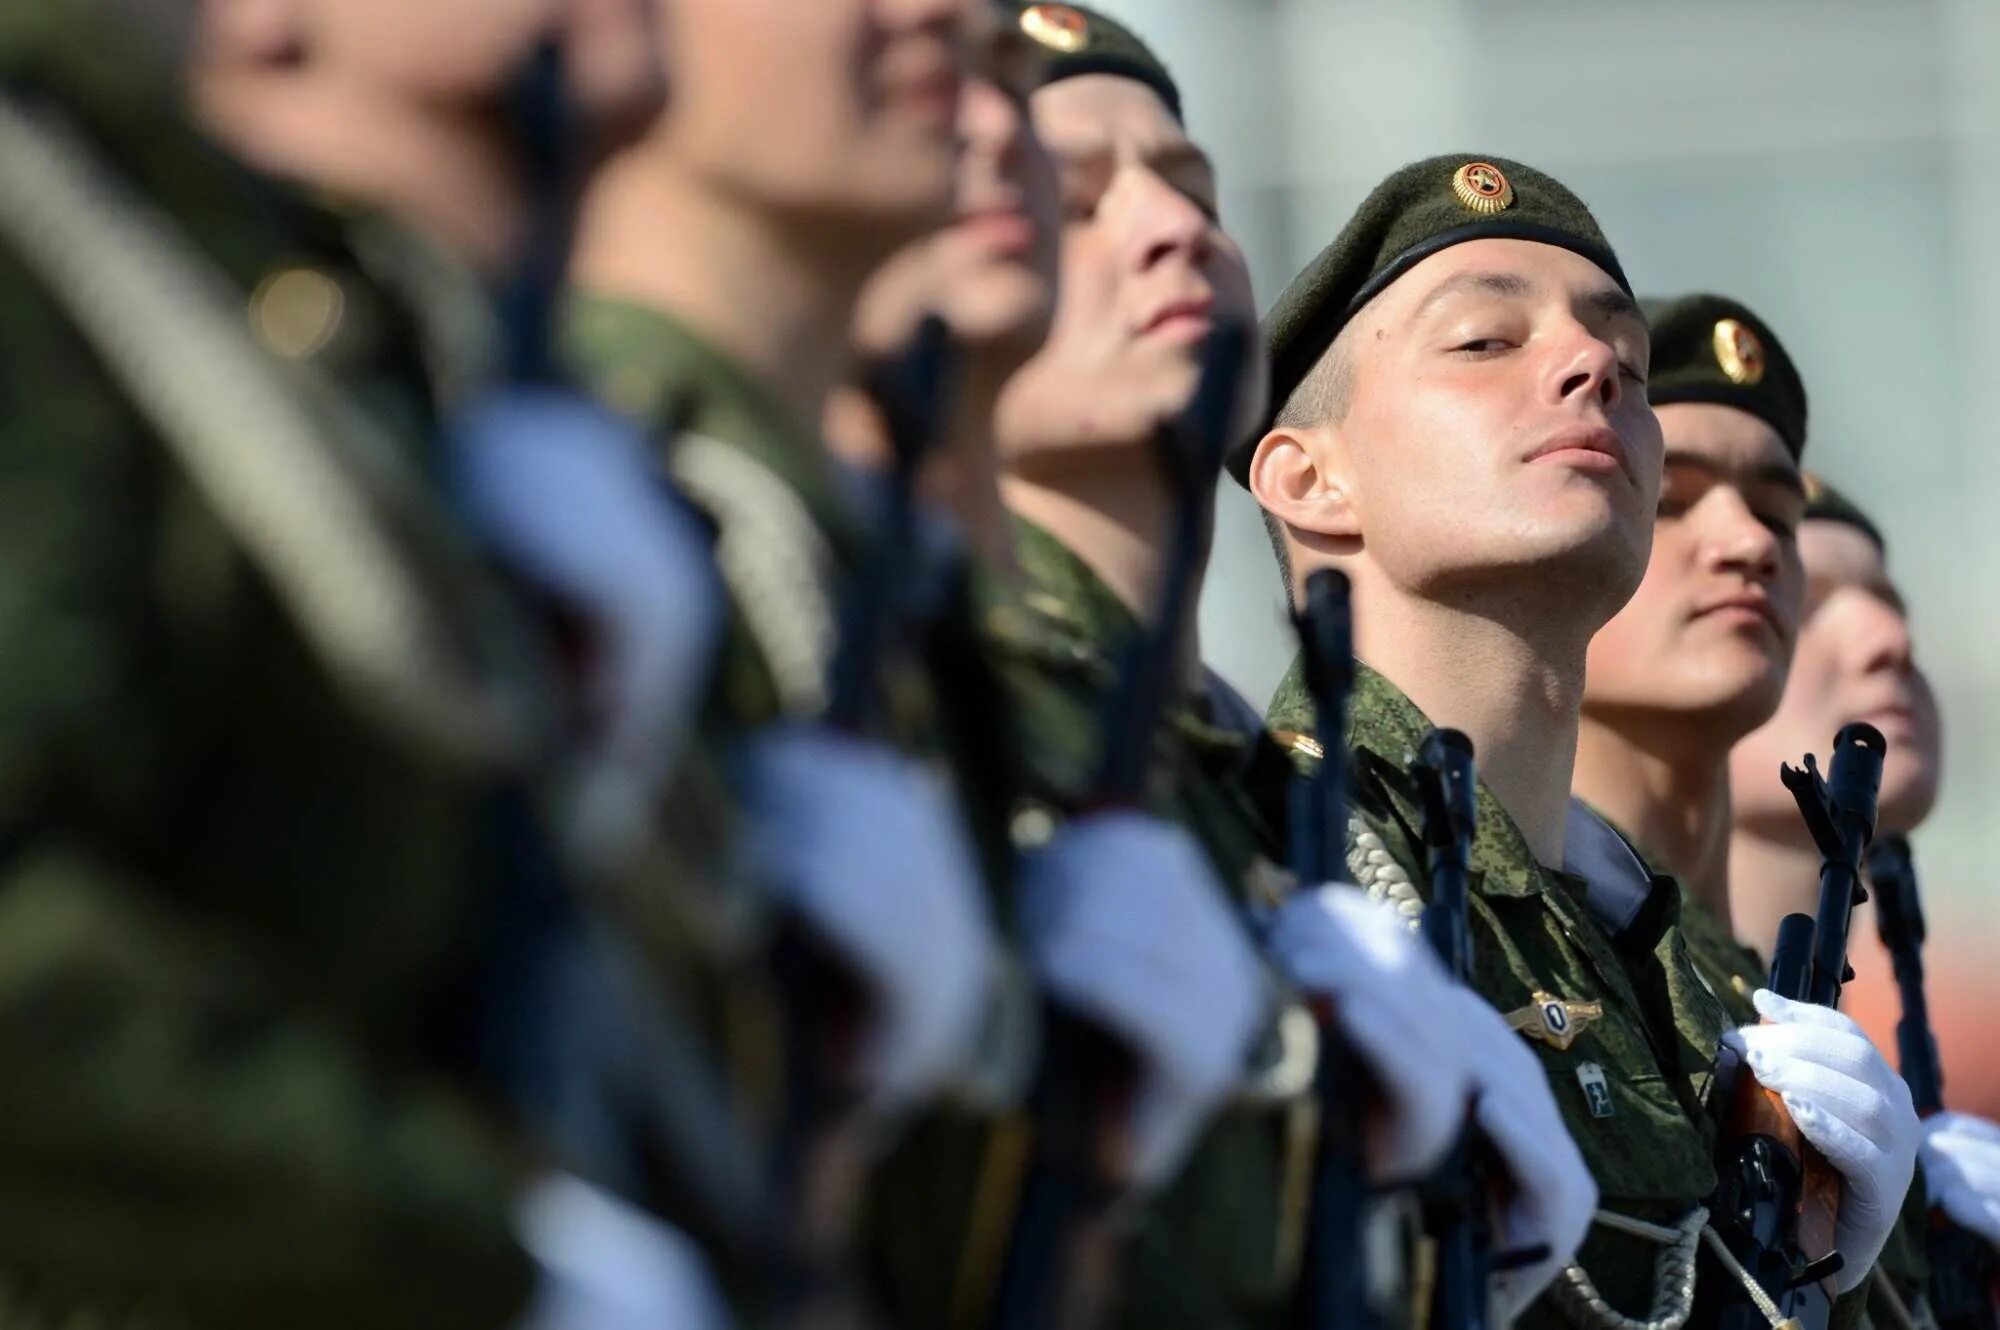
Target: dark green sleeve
{"x":178,"y":1140}
{"x":175,"y":1142}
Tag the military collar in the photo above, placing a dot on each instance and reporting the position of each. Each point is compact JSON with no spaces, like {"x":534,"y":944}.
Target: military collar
{"x":653,"y":368}
{"x":1384,"y":731}
{"x":1060,"y":589}
{"x":1083,"y":617}
{"x":1620,"y":888}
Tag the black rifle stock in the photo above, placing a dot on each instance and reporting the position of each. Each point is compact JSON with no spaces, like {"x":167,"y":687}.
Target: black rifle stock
{"x":1455,"y":1201}
{"x":1778,"y":1199}
{"x":1061,"y":1259}
{"x":582,"y":1043}
{"x":1962,"y":1264}
{"x":1333,"y":1288}
{"x":824,"y":1001}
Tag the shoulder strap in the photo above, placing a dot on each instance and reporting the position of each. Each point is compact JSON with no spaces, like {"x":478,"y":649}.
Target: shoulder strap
{"x":321,"y":502}
{"x":777,"y":564}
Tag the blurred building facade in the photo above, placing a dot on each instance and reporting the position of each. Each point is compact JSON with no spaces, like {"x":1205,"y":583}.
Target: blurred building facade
{"x":1834,"y":163}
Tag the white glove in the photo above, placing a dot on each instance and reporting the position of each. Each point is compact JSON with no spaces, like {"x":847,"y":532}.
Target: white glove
{"x":1554,"y":1196}
{"x":1961,"y":1158}
{"x":1849,"y":1105}
{"x":1125,"y":922}
{"x":1388,"y":992}
{"x":603,"y":1265}
{"x":868,"y":848}
{"x":567,"y":495}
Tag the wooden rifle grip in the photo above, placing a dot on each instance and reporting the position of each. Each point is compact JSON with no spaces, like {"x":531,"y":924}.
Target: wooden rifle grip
{"x":1756,"y":1111}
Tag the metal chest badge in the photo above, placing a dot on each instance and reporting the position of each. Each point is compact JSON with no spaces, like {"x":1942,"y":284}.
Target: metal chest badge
{"x":1552,"y":1021}
{"x":1596,"y":1089}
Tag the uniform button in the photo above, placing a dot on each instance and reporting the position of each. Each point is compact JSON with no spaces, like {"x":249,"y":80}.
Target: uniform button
{"x":1032,"y":827}
{"x":296,"y":312}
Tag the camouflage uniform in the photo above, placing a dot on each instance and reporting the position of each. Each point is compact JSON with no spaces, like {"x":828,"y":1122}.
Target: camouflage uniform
{"x":1653,"y":1018}
{"x":250,"y":724}
{"x":1219,"y":1247}
{"x":1643,"y":1026}
{"x":789,"y":544}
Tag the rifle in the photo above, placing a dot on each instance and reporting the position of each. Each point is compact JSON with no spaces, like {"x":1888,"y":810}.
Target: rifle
{"x":1060,"y":1260}
{"x":1778,"y":1198}
{"x":1454,"y":1201}
{"x":913,"y":391}
{"x":825,"y":1003}
{"x":1333,"y":1277}
{"x":575,"y":1032}
{"x":1962,"y":1264}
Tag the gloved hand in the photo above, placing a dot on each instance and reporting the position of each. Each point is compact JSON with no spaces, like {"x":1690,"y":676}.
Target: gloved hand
{"x":1125,"y":923}
{"x":603,"y":1265}
{"x":1554,"y":1197}
{"x":868,"y":848}
{"x":1388,"y":994}
{"x":1849,"y":1105}
{"x":567,"y":495}
{"x":1961,"y":1158}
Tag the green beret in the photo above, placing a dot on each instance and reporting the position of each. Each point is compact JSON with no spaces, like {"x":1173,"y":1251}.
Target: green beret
{"x":1712,"y":349}
{"x":1078,"y":41}
{"x":1824,"y":503}
{"x":1426,"y":207}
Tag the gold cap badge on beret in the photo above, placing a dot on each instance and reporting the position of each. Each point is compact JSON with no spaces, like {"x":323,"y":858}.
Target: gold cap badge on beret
{"x":1739,"y":353}
{"x":1482,"y":187}
{"x":1057,"y":27}
{"x":1553,"y":1021}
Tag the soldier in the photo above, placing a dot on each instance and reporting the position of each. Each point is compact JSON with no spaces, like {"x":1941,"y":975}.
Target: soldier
{"x":733,"y":389}
{"x":1698,"y":658}
{"x":1854,"y":660}
{"x":939,"y":1214}
{"x":1148,"y":275}
{"x":260,"y":693}
{"x":990,"y":274}
{"x":1463,"y":429}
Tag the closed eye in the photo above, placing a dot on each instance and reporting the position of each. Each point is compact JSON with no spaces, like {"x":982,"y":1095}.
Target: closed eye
{"x":1484,"y":346}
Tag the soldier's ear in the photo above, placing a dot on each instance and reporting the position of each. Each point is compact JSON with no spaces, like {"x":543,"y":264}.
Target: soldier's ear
{"x":1301,"y":477}
{"x":253,"y":33}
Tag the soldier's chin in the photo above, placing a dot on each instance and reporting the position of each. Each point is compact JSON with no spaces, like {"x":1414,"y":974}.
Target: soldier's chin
{"x":1002,"y":307}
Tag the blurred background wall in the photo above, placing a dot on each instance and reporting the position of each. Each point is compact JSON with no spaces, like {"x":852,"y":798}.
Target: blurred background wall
{"x":1833,"y":163}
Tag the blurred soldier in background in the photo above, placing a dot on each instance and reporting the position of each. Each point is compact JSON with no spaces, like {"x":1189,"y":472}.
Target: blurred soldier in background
{"x":1854,"y":660}
{"x":1697,"y":659}
{"x":719,"y":261}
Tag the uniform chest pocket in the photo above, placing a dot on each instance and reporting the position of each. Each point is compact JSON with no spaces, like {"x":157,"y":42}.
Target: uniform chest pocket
{"x":1627,"y":1118}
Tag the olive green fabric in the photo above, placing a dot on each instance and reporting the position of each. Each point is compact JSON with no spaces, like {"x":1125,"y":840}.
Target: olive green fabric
{"x":1211,"y":1251}
{"x":789,"y":541}
{"x":1410,"y":216}
{"x":1824,"y":503}
{"x":1699,"y":357}
{"x":1732,"y":970}
{"x":239,"y":910}
{"x":1657,"y":1038}
{"x":1088,"y":42}
{"x":677,"y":387}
